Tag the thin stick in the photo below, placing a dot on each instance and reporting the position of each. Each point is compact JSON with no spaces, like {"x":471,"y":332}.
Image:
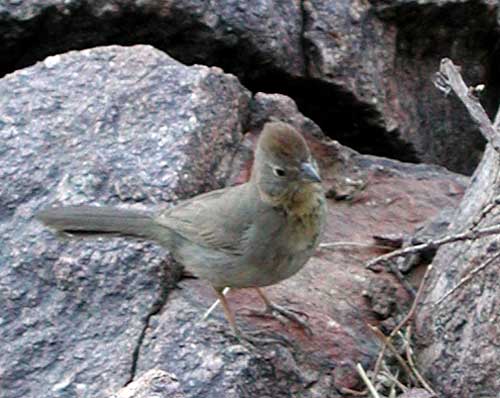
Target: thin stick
{"x":467,"y":235}
{"x":466,"y":278}
{"x":387,"y":342}
{"x":345,"y":390}
{"x":333,"y":245}
{"x":411,"y":363}
{"x":367,"y":381}
{"x":405,"y":320}
{"x":413,"y":308}
{"x":214,"y":305}
{"x":380,"y":358}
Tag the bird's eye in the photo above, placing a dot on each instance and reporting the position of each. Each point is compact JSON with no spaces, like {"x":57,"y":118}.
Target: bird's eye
{"x":279,"y":172}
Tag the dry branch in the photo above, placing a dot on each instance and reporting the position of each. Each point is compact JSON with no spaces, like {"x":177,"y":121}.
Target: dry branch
{"x":448,"y":78}
{"x":467,"y":235}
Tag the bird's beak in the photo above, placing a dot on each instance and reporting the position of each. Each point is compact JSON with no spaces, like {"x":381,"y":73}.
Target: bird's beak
{"x":309,"y":173}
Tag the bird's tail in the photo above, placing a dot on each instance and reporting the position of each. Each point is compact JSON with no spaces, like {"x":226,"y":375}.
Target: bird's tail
{"x":98,"y":221}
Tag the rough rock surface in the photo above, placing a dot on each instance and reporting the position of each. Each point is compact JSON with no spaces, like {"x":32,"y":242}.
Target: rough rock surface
{"x":126,"y":125}
{"x":111,"y":125}
{"x":415,"y":393}
{"x":155,"y":383}
{"x":245,"y":37}
{"x":426,"y":32}
{"x":360,"y":69}
{"x":458,"y":329}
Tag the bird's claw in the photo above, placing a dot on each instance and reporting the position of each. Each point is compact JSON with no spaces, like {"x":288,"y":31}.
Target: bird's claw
{"x":276,"y":311}
{"x":251,"y":338}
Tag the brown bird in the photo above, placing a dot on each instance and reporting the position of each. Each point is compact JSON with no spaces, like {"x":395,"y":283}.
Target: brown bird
{"x":252,"y":235}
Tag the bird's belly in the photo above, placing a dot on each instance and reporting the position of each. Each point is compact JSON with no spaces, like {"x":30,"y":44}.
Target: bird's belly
{"x":263,"y":273}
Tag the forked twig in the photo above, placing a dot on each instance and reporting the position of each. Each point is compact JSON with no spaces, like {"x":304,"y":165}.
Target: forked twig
{"x":405,"y":320}
{"x":462,"y":236}
{"x":386,"y":340}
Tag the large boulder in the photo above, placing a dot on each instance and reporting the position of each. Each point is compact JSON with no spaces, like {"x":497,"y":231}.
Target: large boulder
{"x":128,"y":126}
{"x":247,"y":38}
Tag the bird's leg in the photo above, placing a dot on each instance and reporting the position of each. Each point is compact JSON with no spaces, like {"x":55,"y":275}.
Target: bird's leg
{"x":243,"y":337}
{"x":292,"y":315}
{"x":227,"y":311}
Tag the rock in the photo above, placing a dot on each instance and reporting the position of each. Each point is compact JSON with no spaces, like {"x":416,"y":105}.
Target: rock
{"x":457,"y":329}
{"x":380,"y":57}
{"x":362,"y":70}
{"x":382,"y":297}
{"x":126,"y":125}
{"x":426,"y":32}
{"x":436,"y":228}
{"x":110,"y":125}
{"x":247,"y":38}
{"x":350,"y":51}
{"x":415,"y":393}
{"x":155,"y":383}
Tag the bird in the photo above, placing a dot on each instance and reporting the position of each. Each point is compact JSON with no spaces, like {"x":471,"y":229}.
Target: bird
{"x":252,"y":235}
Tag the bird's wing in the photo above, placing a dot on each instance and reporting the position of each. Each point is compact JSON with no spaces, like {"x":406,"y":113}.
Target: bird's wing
{"x":220,"y":220}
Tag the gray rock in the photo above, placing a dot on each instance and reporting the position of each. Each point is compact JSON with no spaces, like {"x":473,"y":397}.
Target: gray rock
{"x":109,"y":125}
{"x":155,"y":383}
{"x":381,"y":56}
{"x":247,"y":38}
{"x":360,"y":69}
{"x":415,"y":393}
{"x":427,"y":31}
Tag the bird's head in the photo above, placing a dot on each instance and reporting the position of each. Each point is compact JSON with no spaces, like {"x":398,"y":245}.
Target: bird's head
{"x":283,"y":163}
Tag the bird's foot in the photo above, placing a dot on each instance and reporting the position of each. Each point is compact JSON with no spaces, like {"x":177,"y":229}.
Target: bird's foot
{"x":254,"y":339}
{"x":278,"y":312}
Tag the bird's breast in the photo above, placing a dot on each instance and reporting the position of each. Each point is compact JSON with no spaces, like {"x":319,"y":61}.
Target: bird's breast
{"x":305,"y":220}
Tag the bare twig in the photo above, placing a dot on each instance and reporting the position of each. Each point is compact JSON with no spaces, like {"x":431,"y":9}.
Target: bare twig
{"x":449,"y":77}
{"x":333,"y":245}
{"x":378,"y":363}
{"x":467,"y":235}
{"x":411,"y":363}
{"x":466,"y":278}
{"x":345,"y":390}
{"x":388,"y":343}
{"x":411,"y":313}
{"x":400,"y":277}
{"x":367,"y":381}
{"x":405,"y":320}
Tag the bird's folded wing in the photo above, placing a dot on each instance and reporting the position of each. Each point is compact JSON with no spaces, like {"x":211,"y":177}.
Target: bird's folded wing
{"x":220,"y":220}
